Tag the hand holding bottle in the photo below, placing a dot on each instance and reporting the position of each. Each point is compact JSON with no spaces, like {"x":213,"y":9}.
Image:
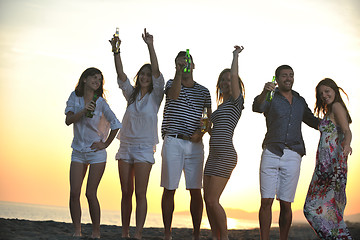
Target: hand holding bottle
{"x":180,"y":63}
{"x":204,"y":121}
{"x":270,"y":89}
{"x":90,"y":107}
{"x":115,"y":42}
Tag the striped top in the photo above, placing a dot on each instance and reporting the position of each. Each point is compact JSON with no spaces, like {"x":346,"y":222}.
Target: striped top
{"x":222,"y":157}
{"x":182,"y":116}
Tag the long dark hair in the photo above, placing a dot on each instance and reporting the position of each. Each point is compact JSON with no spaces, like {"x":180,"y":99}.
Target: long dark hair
{"x":79,"y":89}
{"x":137,"y":86}
{"x":219,"y":96}
{"x":321,"y":107}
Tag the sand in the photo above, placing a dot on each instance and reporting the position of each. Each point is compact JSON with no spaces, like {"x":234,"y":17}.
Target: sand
{"x":25,"y":230}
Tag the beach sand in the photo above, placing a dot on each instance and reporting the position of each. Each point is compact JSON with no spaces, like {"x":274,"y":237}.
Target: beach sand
{"x":25,"y":230}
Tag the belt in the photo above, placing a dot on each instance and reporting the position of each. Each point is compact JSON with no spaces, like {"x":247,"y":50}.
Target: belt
{"x":181,"y":136}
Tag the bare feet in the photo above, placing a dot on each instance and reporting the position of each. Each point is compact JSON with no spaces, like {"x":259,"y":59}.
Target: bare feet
{"x":138,"y":236}
{"x":77,"y":233}
{"x":95,"y":233}
{"x":167,"y":236}
{"x":95,"y":236}
{"x":125,"y":236}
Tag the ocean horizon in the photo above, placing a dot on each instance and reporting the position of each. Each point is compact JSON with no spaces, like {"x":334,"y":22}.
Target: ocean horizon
{"x":236,"y":219}
{"x":37,"y":212}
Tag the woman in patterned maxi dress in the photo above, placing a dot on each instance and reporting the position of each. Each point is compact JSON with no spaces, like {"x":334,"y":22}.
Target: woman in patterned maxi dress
{"x":326,"y":199}
{"x":222,"y":155}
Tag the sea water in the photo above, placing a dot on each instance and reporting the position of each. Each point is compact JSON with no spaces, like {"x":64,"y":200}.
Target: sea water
{"x":36,"y":212}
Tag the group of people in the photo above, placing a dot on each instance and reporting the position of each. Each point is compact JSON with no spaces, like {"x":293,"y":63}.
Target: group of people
{"x":95,"y":127}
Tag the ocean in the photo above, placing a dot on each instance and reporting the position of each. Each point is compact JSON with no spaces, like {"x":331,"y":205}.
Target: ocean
{"x":36,"y":212}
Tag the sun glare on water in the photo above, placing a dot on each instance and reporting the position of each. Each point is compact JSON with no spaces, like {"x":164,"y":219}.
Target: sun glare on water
{"x":233,"y":223}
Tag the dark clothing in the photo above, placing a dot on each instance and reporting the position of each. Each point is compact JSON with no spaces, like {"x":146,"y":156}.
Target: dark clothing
{"x":283,"y":122}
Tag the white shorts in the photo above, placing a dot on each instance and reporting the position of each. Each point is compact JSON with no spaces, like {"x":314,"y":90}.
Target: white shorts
{"x":89,"y":157}
{"x":181,"y":155}
{"x":279,"y":175}
{"x":136,"y":153}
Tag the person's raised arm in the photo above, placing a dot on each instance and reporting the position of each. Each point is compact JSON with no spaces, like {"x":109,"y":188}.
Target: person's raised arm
{"x":149,"y":40}
{"x":174,"y":90}
{"x":115,"y":43}
{"x":234,"y":73}
{"x":341,"y":119}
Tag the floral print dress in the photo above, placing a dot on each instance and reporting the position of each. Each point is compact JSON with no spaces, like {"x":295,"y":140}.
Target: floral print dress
{"x":326,"y":199}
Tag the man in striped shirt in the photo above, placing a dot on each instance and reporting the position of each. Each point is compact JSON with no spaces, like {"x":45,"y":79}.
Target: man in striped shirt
{"x":183,"y":148}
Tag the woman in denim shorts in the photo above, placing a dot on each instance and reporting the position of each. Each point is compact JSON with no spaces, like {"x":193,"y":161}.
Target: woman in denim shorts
{"x":138,"y":137}
{"x":90,"y":115}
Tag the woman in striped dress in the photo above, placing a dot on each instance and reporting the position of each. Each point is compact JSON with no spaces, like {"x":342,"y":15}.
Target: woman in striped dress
{"x":222,"y":155}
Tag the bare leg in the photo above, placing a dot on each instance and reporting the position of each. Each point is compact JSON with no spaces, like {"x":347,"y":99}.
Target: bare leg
{"x":126,"y":174}
{"x":211,"y":216}
{"x":213,"y":188}
{"x":95,"y":174}
{"x":196,"y":209}
{"x":265,"y":217}
{"x":167,"y":206}
{"x":285,"y":219}
{"x":142,"y":172}
{"x":77,"y":174}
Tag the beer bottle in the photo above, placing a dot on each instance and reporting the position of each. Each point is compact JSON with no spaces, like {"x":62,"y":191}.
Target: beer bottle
{"x":116,"y":35}
{"x":188,"y":61}
{"x":117,"y":32}
{"x":89,"y":113}
{"x":205,"y":120}
{"x":270,"y":94}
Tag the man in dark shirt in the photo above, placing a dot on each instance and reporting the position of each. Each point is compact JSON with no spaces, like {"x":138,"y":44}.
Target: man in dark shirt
{"x":283,"y":148}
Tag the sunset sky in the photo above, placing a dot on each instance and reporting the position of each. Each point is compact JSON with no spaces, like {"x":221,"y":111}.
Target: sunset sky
{"x":46,"y":45}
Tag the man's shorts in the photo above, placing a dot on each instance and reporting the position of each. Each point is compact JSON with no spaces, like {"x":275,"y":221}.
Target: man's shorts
{"x":181,"y":155}
{"x":279,"y":175}
{"x":89,"y":157}
{"x":136,"y":153}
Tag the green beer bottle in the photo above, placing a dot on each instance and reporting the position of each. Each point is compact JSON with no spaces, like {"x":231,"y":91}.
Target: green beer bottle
{"x":188,"y":61}
{"x":270,"y":94}
{"x":89,"y":113}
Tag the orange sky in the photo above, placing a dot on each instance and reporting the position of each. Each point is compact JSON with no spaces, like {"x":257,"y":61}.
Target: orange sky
{"x":44,"y":47}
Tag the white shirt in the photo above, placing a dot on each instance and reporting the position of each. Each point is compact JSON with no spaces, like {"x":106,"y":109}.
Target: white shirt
{"x":140,"y":119}
{"x":90,"y":130}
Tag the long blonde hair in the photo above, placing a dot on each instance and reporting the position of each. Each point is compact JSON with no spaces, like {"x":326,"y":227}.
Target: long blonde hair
{"x":219,"y":96}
